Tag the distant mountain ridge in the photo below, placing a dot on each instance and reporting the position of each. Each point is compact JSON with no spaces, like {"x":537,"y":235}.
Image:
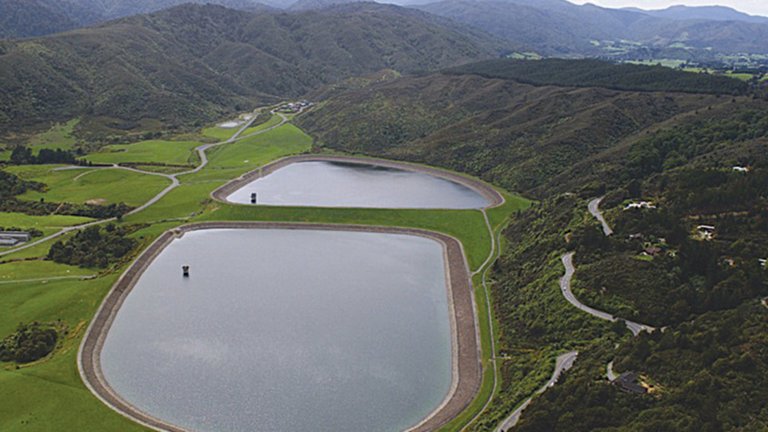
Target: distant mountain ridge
{"x":28,"y":18}
{"x":561,"y":28}
{"x":708,"y":13}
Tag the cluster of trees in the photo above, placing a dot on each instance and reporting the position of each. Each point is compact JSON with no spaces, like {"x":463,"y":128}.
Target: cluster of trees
{"x":94,"y":247}
{"x":11,"y":185}
{"x":30,"y":342}
{"x":40,"y":208}
{"x":23,"y":156}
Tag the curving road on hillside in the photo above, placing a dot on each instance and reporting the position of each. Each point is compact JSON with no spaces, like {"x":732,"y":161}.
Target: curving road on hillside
{"x":562,"y":364}
{"x":594,"y":209}
{"x":565,"y":287}
{"x":172,"y":177}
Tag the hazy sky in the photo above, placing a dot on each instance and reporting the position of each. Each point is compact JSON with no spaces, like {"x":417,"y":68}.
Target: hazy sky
{"x":755,"y":7}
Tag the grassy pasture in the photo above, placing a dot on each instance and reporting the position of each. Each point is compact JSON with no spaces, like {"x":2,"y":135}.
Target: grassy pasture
{"x":250,"y":153}
{"x":49,"y":395}
{"x":155,"y":151}
{"x":46,"y":224}
{"x":23,"y":270}
{"x":220,"y":133}
{"x":105,"y":186}
{"x":274,"y":120}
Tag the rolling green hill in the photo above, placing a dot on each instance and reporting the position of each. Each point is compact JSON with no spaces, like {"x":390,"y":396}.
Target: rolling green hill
{"x":194,"y":63}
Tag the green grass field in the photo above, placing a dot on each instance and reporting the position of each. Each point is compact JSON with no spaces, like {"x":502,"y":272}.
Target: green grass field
{"x":156,"y":151}
{"x":220,"y":133}
{"x":34,"y":395}
{"x":105,"y":186}
{"x":49,"y":395}
{"x":46,"y":224}
{"x":23,"y":270}
{"x":250,"y":153}
{"x":274,"y":120}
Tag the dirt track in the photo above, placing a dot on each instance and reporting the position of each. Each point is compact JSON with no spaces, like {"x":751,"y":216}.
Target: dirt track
{"x":467,"y":370}
{"x":483,"y":189}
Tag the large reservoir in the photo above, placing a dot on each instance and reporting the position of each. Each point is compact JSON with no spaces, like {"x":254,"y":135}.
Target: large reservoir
{"x":286,"y":330}
{"x":324,"y":183}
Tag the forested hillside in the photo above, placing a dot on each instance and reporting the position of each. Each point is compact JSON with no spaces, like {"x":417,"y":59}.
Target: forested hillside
{"x":196,"y":63}
{"x":520,"y":136}
{"x":708,"y":367}
{"x":596,"y":73}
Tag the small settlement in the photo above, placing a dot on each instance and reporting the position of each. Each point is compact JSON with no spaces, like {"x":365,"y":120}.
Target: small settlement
{"x":294,"y":107}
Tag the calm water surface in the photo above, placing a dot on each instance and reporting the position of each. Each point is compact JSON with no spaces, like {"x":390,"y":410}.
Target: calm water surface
{"x":286,"y":330}
{"x":335,"y":184}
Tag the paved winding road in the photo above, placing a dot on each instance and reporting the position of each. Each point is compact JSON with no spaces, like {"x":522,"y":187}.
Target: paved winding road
{"x":562,"y":364}
{"x":172,"y":177}
{"x":594,"y":208}
{"x":565,"y":287}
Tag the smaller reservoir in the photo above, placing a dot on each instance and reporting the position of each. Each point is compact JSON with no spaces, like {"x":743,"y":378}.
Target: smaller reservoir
{"x":323,"y":183}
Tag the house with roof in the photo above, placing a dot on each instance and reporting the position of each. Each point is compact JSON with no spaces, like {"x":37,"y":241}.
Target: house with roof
{"x":640,"y":205}
{"x":705,"y":232}
{"x":629,"y":382}
{"x":12,"y":238}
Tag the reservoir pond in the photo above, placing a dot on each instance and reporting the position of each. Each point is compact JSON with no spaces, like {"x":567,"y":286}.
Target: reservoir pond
{"x":342,"y":184}
{"x":287,"y":329}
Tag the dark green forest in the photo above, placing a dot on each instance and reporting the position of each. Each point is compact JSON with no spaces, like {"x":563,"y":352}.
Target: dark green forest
{"x":596,"y":73}
{"x":94,"y":247}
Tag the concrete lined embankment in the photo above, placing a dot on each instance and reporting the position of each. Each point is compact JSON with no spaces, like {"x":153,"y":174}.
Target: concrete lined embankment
{"x":494,"y":197}
{"x":467,"y":369}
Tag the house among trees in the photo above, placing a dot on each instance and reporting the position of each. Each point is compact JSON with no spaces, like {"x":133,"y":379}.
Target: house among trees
{"x":640,"y":205}
{"x":652,"y":251}
{"x":705,"y":232}
{"x":741,"y":169}
{"x":628,"y":382}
